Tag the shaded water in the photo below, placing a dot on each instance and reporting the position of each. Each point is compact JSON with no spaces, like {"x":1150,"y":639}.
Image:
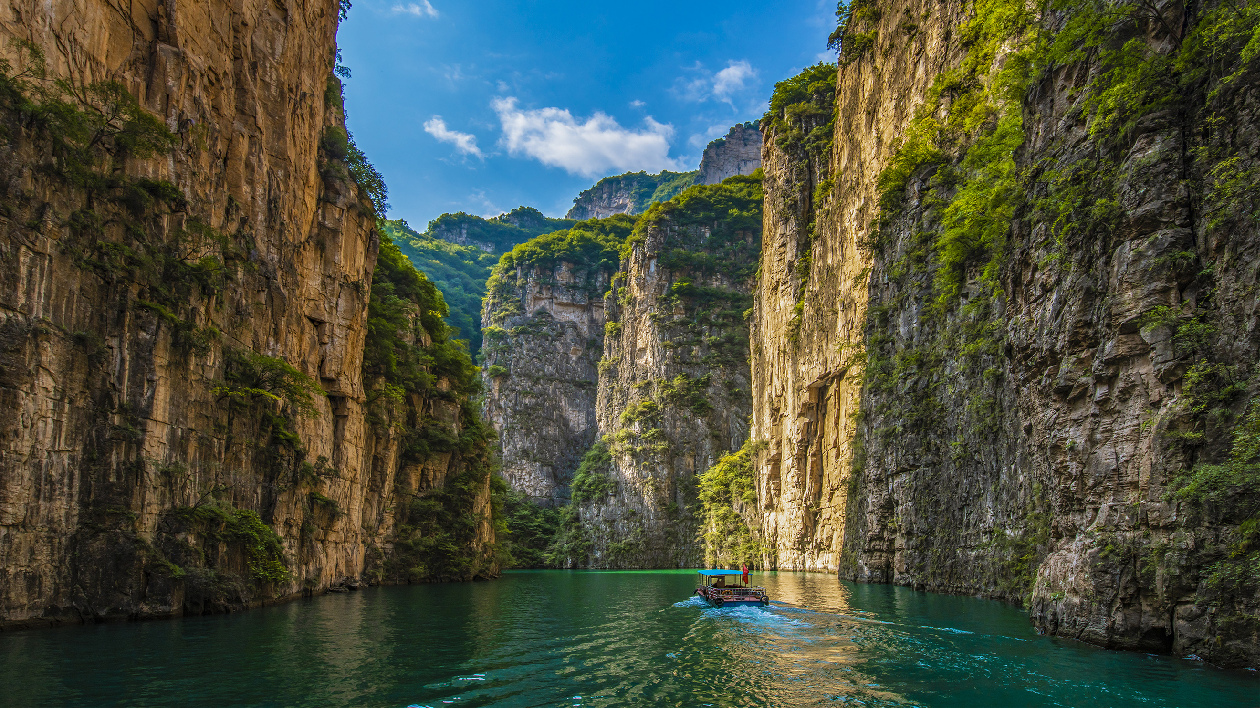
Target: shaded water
{"x":556,"y":638}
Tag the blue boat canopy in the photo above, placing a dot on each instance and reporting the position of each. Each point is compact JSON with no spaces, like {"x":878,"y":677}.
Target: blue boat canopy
{"x":721,"y":572}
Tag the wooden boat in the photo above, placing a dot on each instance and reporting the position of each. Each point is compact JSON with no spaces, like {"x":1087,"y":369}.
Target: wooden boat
{"x":727,"y":588}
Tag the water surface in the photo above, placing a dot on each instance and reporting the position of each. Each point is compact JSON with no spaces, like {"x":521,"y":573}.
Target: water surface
{"x":557,"y":638}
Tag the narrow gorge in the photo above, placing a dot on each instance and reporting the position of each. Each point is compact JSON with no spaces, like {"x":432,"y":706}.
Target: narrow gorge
{"x":1001,"y":338}
{"x":971,"y":309}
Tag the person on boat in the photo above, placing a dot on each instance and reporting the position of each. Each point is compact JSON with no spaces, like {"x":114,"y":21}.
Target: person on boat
{"x":744,"y":567}
{"x":720,"y":582}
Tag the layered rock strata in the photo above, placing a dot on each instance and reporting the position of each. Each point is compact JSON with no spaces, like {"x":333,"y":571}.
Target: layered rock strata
{"x":185,"y":295}
{"x":543,"y":333}
{"x":1023,"y":346}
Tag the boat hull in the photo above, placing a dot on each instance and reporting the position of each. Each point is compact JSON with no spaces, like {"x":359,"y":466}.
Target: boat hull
{"x":717,"y":599}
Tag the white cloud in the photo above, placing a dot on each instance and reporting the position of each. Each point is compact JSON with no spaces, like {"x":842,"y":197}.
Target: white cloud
{"x":724,"y":85}
{"x":421,"y":9}
{"x":733,"y":79}
{"x":464,"y":142}
{"x":637,"y":104}
{"x":591,"y":148}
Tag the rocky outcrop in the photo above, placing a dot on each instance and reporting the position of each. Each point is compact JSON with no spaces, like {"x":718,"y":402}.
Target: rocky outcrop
{"x":185,"y":266}
{"x":543,"y":337}
{"x":497,"y":234}
{"x":1013,"y":357}
{"x":673,"y":393}
{"x":738,"y":153}
{"x":630,"y":193}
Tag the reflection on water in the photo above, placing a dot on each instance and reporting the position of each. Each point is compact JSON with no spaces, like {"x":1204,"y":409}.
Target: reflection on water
{"x":559,"y":638}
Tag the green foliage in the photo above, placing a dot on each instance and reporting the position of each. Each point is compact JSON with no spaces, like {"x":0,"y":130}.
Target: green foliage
{"x":250,"y":377}
{"x":646,"y":411}
{"x":645,"y":189}
{"x":459,"y":273}
{"x":848,"y":39}
{"x":731,"y":211}
{"x":802,"y":119}
{"x":688,"y":393}
{"x":572,"y":543}
{"x":984,"y":124}
{"x":729,"y":539}
{"x":501,"y":233}
{"x":810,"y":93}
{"x":405,"y":306}
{"x":531,"y":531}
{"x":339,"y":148}
{"x":437,"y":535}
{"x":220,"y":522}
{"x":589,"y":245}
{"x":591,"y":483}
{"x":1232,"y":487}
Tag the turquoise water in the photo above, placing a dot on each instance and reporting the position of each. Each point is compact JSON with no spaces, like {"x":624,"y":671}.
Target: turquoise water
{"x":556,"y":638}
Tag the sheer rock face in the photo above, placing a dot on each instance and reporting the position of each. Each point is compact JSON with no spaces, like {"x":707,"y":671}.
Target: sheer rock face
{"x":621,"y":194}
{"x":739,"y":153}
{"x":543,"y":337}
{"x":1037,"y":471}
{"x":110,"y":419}
{"x":807,"y":392}
{"x":672,"y":397}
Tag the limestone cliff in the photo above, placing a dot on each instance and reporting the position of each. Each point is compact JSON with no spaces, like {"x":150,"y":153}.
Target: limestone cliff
{"x":737,"y":153}
{"x":630,"y":193}
{"x":543,"y":335}
{"x":1015,"y":354}
{"x":185,"y":269}
{"x":496,"y":234}
{"x":674,"y":380}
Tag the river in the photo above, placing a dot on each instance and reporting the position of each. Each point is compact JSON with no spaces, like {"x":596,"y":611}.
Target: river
{"x":557,"y":638}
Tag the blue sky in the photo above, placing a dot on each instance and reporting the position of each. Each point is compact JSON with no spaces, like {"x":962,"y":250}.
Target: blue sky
{"x":485,"y":106}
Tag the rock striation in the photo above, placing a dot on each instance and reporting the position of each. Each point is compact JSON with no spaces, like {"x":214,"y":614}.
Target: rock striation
{"x":738,"y":153}
{"x":184,"y":296}
{"x":1013,"y":357}
{"x":543,"y":331}
{"x":674,"y":380}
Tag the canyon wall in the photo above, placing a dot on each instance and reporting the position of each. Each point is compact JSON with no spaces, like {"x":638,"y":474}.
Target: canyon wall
{"x":185,"y":270}
{"x":1006,"y":347}
{"x":543,"y":332}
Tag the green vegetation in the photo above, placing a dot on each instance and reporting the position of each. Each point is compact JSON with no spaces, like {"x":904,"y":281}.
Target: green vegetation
{"x":437,"y":533}
{"x":725,"y":489}
{"x":802,"y":110}
{"x":802,"y":123}
{"x":943,"y":259}
{"x":341,"y":158}
{"x":592,"y":483}
{"x":590,"y":245}
{"x":219,"y":522}
{"x":499,"y":233}
{"x":531,"y":530}
{"x":645,"y":189}
{"x":459,"y":272}
{"x":406,"y":307}
{"x":688,"y":393}
{"x":436,"y":537}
